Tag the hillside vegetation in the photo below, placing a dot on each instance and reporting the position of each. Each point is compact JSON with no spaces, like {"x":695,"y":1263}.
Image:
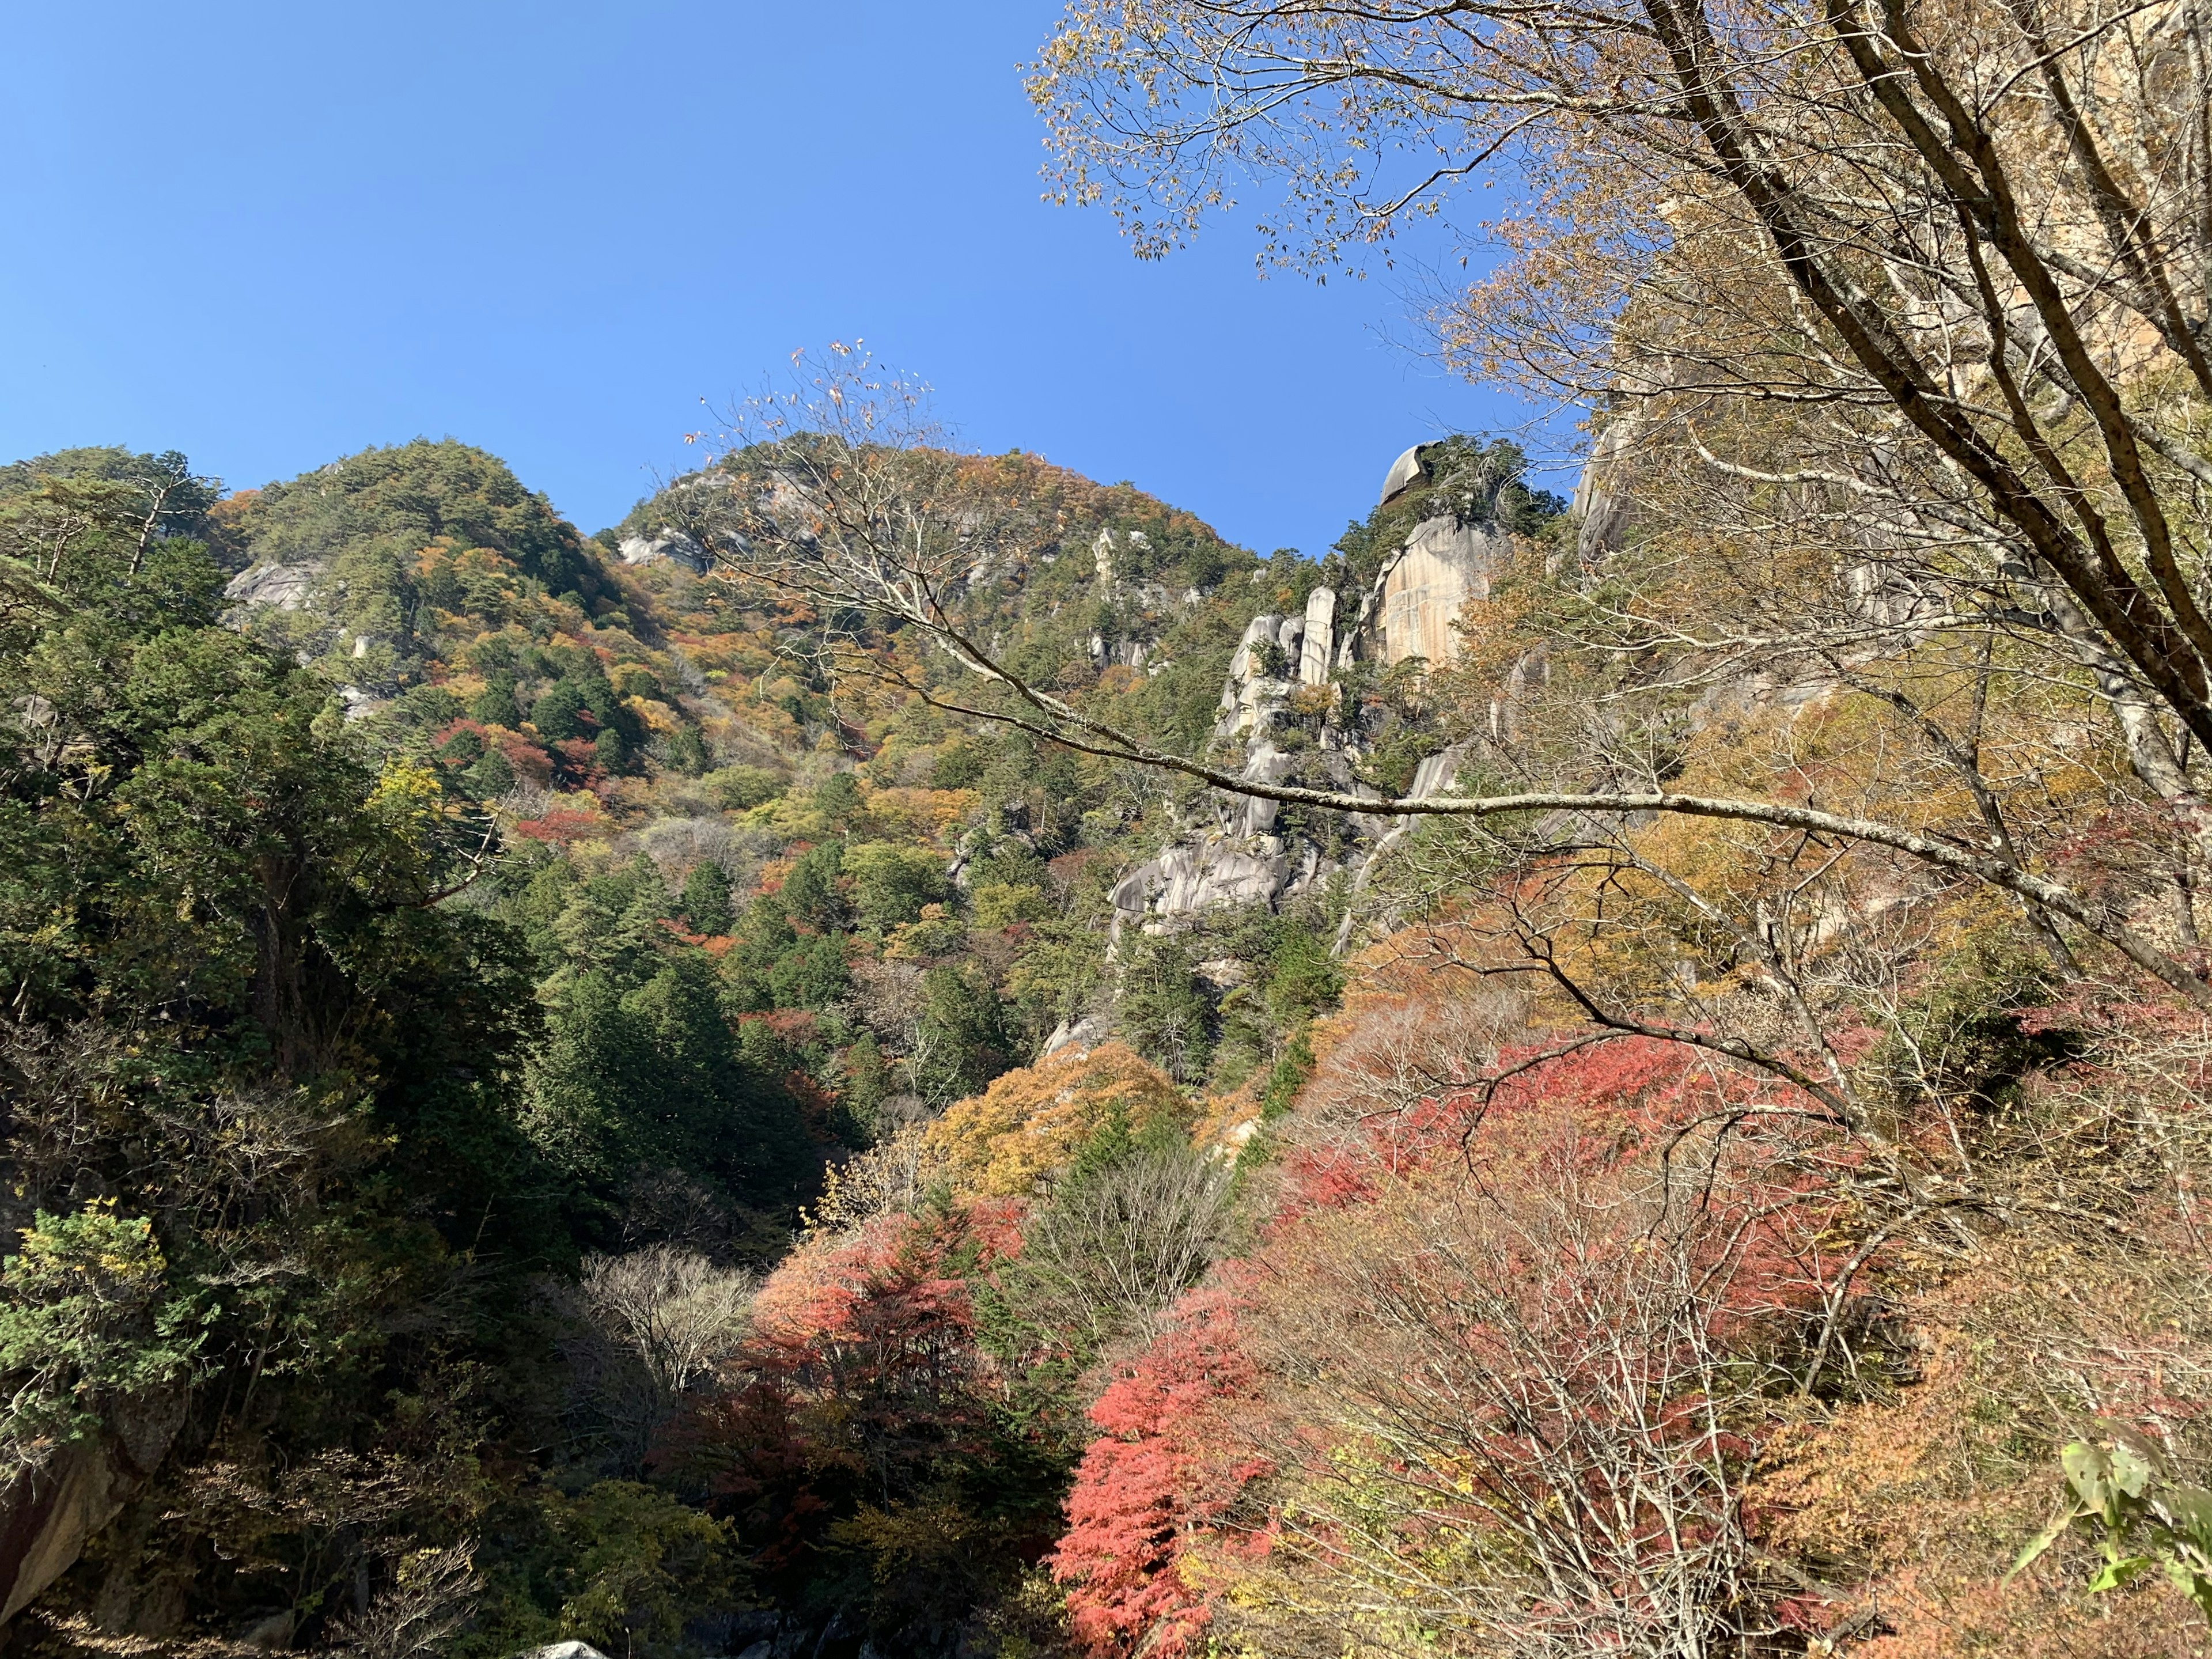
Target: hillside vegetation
{"x":446,"y":967}
{"x":905,"y":1053}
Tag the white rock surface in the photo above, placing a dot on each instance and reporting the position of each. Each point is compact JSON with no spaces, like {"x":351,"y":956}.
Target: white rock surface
{"x":1320,"y":636}
{"x":1444,"y":564}
{"x":1403,"y":472}
{"x":666,"y":543}
{"x":285,"y":587}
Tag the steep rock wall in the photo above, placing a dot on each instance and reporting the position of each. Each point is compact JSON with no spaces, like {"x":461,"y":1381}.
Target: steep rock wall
{"x":1411,"y":609}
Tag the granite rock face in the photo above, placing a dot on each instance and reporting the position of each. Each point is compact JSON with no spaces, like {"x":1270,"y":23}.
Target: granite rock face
{"x":1411,"y":609}
{"x":1425,"y":589}
{"x":48,"y":1514}
{"x":279,"y":586}
{"x":668,"y":543}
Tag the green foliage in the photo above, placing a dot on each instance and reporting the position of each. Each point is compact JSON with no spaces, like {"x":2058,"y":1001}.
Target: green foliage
{"x":2139,"y":1518}
{"x":892,"y":882}
{"x":496,"y":705}
{"x":620,"y":1564}
{"x":812,"y":974}
{"x":559,"y":712}
{"x":376,"y":510}
{"x":706,"y":899}
{"x":814,"y":892}
{"x":867,"y":1082}
{"x":259,"y":1073}
{"x":961,"y":1042}
{"x":1165,"y":1009}
{"x":688,"y":754}
{"x":740,"y":789}
{"x":838,"y":798}
{"x":960,"y":767}
{"x":1303,"y":975}
{"x":1962,"y":1035}
{"x":1473,"y":479}
{"x":491,"y":776}
{"x":108,"y":533}
{"x":1289,"y":1076}
{"x":641,"y":1067}
{"x":1398,"y":720}
{"x":85,"y":1318}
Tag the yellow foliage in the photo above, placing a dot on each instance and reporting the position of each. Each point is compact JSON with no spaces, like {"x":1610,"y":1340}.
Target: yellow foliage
{"x":923,"y":814}
{"x":999,"y":905}
{"x":1917,"y":1500}
{"x":658,"y":716}
{"x":1000,"y":1144}
{"x":894,"y":1175}
{"x":408,"y":801}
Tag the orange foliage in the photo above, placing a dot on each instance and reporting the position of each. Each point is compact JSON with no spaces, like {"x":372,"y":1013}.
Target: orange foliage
{"x":1028,"y":1123}
{"x":923,"y":814}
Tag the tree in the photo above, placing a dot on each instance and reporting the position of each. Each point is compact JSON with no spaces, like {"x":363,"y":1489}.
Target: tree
{"x":892,"y":882}
{"x":2035,"y":393}
{"x":1031,"y":1123}
{"x":260,"y":1124}
{"x":1128,"y":1228}
{"x":86,"y":1322}
{"x":706,"y":899}
{"x":959,"y":1039}
{"x":1164,"y":1006}
{"x":559,"y":712}
{"x":674,"y":1309}
{"x":496,"y":706}
{"x":1154,"y":1476}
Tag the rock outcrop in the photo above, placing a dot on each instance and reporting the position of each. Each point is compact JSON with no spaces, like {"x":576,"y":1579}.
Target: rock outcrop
{"x":277,"y":587}
{"x":1425,"y":587}
{"x":48,"y":1514}
{"x":666,"y":543}
{"x":1410,"y":609}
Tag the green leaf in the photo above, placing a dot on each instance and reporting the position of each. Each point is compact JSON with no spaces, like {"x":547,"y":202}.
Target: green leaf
{"x":2119,"y":1572}
{"x":2088,"y":1471}
{"x":2131,"y":1470}
{"x":2188,"y":1511}
{"x":2186,"y":1579}
{"x":2043,"y":1541}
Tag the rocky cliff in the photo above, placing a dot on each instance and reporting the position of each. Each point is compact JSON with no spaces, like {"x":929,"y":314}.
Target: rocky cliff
{"x":1282,"y":707}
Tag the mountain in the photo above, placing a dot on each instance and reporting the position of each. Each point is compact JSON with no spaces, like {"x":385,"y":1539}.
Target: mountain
{"x":559,"y":1089}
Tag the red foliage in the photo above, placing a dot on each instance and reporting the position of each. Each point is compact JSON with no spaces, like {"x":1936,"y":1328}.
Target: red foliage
{"x":996,"y":1226}
{"x":1184,"y":1425}
{"x":859,"y":1382}
{"x":562,"y":827}
{"x":1156,"y":1475}
{"x":1622,"y":1091}
{"x":578,"y":760}
{"x":531,"y":764}
{"x":454,"y":728}
{"x":795,"y":1026}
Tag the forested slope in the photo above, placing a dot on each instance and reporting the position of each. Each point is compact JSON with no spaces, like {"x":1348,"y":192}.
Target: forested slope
{"x":447,"y":959}
{"x":1042,"y":1084}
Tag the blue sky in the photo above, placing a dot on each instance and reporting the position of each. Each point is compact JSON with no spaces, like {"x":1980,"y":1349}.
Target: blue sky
{"x":271,"y":235}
